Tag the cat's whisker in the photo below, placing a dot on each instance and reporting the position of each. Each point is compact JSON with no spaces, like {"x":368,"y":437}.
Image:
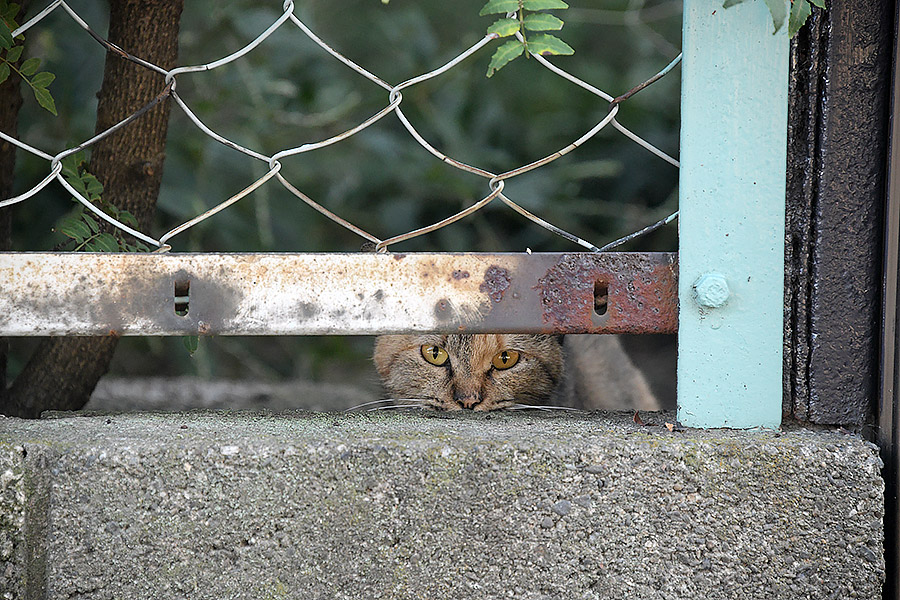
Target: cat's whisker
{"x":386,"y":403}
{"x":544,"y":407}
{"x":419,"y":406}
{"x":524,"y":407}
{"x":357,"y":406}
{"x":420,"y":400}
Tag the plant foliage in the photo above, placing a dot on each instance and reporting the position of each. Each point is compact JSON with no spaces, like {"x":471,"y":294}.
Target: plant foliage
{"x":82,"y":228}
{"x":11,"y":51}
{"x":521,"y":18}
{"x":192,"y":342}
{"x":381,"y":179}
{"x":800,"y":11}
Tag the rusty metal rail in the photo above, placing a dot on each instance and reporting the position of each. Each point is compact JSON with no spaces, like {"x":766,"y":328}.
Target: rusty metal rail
{"x":313,"y":294}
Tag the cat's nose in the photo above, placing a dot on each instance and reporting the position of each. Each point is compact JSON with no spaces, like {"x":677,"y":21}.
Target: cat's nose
{"x":467,"y":399}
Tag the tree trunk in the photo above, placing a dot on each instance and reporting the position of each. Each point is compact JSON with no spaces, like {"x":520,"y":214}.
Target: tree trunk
{"x":63,"y":372}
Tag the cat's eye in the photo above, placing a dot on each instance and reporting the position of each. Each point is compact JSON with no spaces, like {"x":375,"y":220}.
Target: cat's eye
{"x":505,"y":359}
{"x":434,"y":354}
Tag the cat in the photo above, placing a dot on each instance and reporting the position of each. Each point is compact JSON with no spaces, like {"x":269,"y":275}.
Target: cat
{"x":484,"y":372}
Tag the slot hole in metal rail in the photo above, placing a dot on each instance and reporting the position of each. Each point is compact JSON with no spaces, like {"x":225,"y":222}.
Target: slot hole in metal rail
{"x":182,"y":297}
{"x":601,"y":298}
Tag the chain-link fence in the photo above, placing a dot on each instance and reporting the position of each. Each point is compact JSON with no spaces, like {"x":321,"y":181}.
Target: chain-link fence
{"x":283,"y":86}
{"x":273,"y":162}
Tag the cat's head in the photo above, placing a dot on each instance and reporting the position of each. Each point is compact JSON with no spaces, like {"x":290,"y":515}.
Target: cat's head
{"x":479,"y":372}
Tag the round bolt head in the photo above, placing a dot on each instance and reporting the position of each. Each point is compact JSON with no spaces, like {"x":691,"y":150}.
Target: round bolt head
{"x":711,"y":290}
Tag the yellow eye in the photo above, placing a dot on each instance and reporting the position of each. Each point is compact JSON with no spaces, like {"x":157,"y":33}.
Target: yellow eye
{"x":505,"y":359}
{"x":434,"y":354}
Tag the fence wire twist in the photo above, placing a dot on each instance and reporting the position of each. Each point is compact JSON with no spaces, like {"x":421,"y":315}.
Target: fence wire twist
{"x":496,"y":182}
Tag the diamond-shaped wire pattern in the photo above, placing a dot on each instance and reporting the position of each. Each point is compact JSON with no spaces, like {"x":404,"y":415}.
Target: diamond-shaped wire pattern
{"x":496,"y":182}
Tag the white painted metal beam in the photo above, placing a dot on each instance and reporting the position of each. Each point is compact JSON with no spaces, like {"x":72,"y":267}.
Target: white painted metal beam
{"x":313,"y":294}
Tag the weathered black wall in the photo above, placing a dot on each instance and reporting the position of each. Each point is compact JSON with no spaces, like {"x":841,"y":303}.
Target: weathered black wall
{"x":839,"y":117}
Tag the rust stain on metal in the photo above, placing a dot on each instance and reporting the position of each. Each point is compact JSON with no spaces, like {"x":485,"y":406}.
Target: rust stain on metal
{"x":496,"y":282}
{"x":642,"y":294}
{"x":324,"y":294}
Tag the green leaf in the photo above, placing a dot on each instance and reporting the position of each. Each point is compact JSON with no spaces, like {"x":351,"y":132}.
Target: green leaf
{"x":4,"y":72}
{"x":137,"y":247}
{"x":499,"y":6}
{"x":42,"y":79}
{"x":30,"y":66}
{"x":128,"y":218}
{"x":542,"y":22}
{"x":819,"y":3}
{"x":800,"y":11}
{"x":191,"y":342}
{"x":504,"y":27}
{"x":10,"y":13}
{"x":70,"y":161}
{"x":505,"y":53}
{"x":73,"y":228}
{"x":69,"y":167}
{"x":549,"y":45}
{"x":78,"y":184}
{"x":13,"y":54}
{"x":779,"y":13}
{"x":45,"y":99}
{"x":544,"y":4}
{"x":106,"y":242}
{"x":92,"y":185}
{"x":91,"y":221}
{"x":109,"y":208}
{"x":6,"y":39}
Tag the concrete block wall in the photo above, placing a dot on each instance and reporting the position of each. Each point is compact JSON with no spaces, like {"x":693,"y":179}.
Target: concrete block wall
{"x":436,"y":506}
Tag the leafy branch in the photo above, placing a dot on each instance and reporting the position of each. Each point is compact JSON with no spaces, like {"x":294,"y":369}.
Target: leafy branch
{"x":800,"y":12}
{"x":11,"y":51}
{"x":525,"y":20}
{"x":83,"y":228}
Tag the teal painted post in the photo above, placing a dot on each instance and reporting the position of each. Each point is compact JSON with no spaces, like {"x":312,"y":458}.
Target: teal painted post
{"x":731,"y":220}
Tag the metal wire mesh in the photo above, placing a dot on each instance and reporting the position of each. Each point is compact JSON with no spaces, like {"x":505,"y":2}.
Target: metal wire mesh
{"x":496,"y":181}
